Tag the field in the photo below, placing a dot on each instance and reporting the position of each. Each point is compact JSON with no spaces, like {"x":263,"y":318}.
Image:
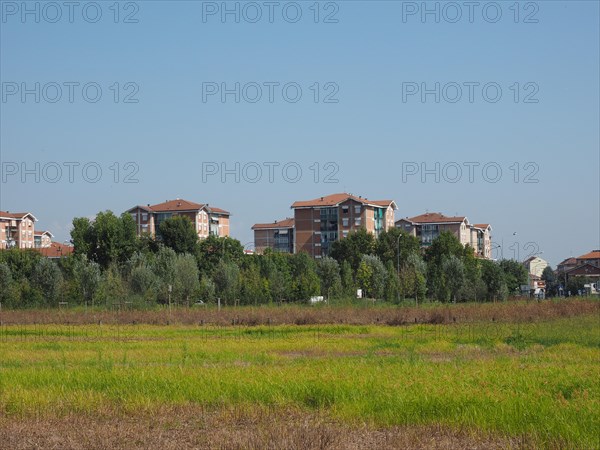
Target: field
{"x":475,"y":376}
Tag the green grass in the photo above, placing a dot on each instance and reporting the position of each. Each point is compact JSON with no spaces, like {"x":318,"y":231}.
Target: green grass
{"x":537,"y":379}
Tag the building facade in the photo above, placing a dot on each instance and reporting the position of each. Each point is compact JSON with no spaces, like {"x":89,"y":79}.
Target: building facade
{"x":277,"y":235}
{"x":535,"y":265}
{"x":320,"y":222}
{"x":42,"y":239}
{"x":207,"y":220}
{"x":426,"y":227}
{"x":17,"y":230}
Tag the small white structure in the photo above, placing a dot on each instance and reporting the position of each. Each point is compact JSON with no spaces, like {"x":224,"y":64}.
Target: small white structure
{"x":316,"y":299}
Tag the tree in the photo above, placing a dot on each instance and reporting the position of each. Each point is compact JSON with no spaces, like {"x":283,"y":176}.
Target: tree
{"x":353,"y":247}
{"x":371,"y":276}
{"x":227,"y":281}
{"x":47,"y":278}
{"x":453,"y":277}
{"x":164,"y":269}
{"x":515,"y":274}
{"x":304,"y":282}
{"x":328,"y":270}
{"x":493,"y":277}
{"x":106,"y":240}
{"x":441,"y":248}
{"x":87,"y":277}
{"x":213,"y":249}
{"x":254,"y":289}
{"x":549,"y":278}
{"x":392,"y":283}
{"x":348,"y":285}
{"x":7,"y":284}
{"x":179,"y":234}
{"x":387,"y":244}
{"x":186,"y":283}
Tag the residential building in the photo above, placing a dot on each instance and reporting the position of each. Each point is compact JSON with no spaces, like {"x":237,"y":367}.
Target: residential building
{"x":17,"y":230}
{"x":566,"y":265}
{"x":587,"y":265}
{"x":535,"y":265}
{"x":207,"y":220}
{"x":426,"y":227}
{"x":592,"y":258}
{"x":321,"y":221}
{"x":42,"y":239}
{"x":277,"y":235}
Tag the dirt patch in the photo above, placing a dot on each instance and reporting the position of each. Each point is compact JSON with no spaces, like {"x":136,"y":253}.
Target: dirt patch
{"x":196,"y":428}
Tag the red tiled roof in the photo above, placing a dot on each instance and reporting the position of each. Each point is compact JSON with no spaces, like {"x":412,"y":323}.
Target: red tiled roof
{"x":568,"y":262}
{"x":40,"y":233}
{"x":594,"y":254}
{"x":336,"y":199}
{"x":285,"y":223}
{"x":481,"y":225}
{"x":436,"y":218}
{"x":179,"y":205}
{"x":17,"y":215}
{"x":176,"y":205}
{"x":56,"y":250}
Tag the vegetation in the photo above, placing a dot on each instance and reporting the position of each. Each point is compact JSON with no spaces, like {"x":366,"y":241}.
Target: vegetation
{"x":533,"y":382}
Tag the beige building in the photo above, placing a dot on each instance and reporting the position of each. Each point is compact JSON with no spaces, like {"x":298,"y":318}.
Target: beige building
{"x":208,"y":220}
{"x":321,"y":221}
{"x":277,"y":235}
{"x":17,"y":230}
{"x":535,"y":265}
{"x":426,"y":227}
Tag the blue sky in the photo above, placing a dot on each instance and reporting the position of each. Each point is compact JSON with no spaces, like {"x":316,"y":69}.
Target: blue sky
{"x":372,"y":135}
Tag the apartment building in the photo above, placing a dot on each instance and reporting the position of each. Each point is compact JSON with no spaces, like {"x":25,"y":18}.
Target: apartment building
{"x":535,"y":265}
{"x":321,"y":221}
{"x":208,"y":220}
{"x":17,"y":230}
{"x":426,"y":227}
{"x":42,"y":239}
{"x":587,"y":265}
{"x":277,"y":235}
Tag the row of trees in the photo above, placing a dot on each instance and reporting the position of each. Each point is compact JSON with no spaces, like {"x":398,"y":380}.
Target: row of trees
{"x":111,"y":264}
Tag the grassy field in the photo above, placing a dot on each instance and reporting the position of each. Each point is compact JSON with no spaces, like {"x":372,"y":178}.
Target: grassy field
{"x":481,"y":384}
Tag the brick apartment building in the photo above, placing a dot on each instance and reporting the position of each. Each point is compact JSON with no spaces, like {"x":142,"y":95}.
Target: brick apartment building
{"x":17,"y":230}
{"x":587,"y":265}
{"x":208,"y":220}
{"x":426,"y":227}
{"x":277,"y":235}
{"x":321,"y":221}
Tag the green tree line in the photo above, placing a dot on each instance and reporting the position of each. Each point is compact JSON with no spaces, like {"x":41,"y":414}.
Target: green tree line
{"x":111,"y":264}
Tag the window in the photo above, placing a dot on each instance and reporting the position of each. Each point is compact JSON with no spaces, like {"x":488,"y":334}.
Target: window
{"x":356,"y":209}
{"x":345,"y":221}
{"x":357,"y":222}
{"x":144,"y":217}
{"x":345,"y":209}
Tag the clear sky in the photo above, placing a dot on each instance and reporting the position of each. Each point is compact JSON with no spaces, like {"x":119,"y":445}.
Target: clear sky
{"x":518,"y":92}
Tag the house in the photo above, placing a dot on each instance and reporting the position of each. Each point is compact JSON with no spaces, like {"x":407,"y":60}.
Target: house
{"x":277,"y":235}
{"x":321,"y":221}
{"x":42,"y":239}
{"x":587,"y":265}
{"x":426,"y":227}
{"x":535,"y":265}
{"x":592,"y":258}
{"x":566,"y":265}
{"x":17,"y":230}
{"x":207,"y":220}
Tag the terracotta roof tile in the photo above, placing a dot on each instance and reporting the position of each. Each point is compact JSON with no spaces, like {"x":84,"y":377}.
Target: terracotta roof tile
{"x":436,"y":218}
{"x":594,"y":254}
{"x":336,"y":199}
{"x":285,"y":223}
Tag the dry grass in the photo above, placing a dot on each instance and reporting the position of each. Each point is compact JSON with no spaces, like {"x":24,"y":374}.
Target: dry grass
{"x":512,"y":311}
{"x":231,"y":428}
